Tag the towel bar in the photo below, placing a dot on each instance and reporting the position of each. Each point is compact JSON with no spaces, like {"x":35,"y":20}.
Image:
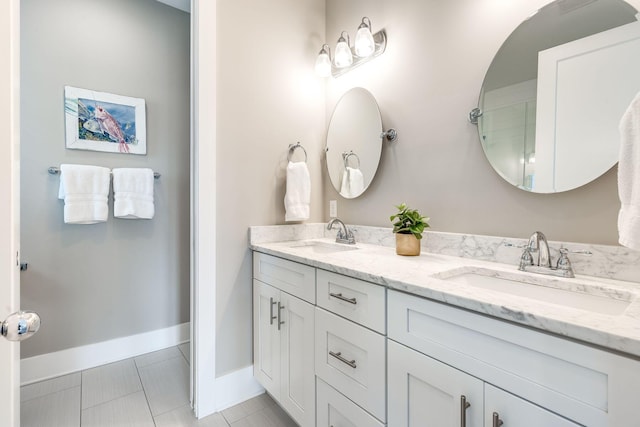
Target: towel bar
{"x":54,"y":171}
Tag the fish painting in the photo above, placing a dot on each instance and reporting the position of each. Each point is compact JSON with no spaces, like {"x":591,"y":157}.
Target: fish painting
{"x":110,"y":126}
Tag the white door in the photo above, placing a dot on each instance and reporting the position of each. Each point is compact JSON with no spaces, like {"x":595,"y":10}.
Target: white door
{"x":9,"y":134}
{"x":580,"y":104}
{"x":13,"y":327}
{"x":425,"y":392}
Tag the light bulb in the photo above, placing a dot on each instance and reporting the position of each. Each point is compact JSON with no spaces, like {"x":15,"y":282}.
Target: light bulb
{"x":343,"y":57}
{"x":323,"y":62}
{"x":365,"y":46}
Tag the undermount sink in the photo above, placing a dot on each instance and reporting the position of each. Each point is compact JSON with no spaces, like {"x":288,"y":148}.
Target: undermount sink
{"x":324,"y":247}
{"x":544,"y":289}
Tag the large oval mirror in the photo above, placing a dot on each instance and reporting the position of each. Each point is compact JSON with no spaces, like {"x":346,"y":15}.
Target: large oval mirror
{"x":555,"y":92}
{"x":354,"y":143}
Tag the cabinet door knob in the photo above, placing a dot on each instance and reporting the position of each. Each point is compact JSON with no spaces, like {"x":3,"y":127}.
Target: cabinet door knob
{"x":497,"y":422}
{"x":343,"y":298}
{"x":463,"y":410}
{"x":271,"y":316}
{"x":338,"y":356}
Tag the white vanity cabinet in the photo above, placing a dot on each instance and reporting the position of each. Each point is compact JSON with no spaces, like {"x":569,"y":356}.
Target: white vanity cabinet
{"x":283,"y":328}
{"x":526,"y":377}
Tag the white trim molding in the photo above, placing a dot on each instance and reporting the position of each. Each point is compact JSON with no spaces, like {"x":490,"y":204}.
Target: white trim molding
{"x":236,"y":387}
{"x":203,"y":207}
{"x":50,"y":365}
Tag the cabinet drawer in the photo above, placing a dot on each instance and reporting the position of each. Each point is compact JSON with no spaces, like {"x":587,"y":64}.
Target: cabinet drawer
{"x":352,"y":359}
{"x":296,"y":279}
{"x":335,"y":410}
{"x":359,"y":301}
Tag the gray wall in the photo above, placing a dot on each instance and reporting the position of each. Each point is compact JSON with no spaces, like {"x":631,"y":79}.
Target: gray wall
{"x":268,"y":97}
{"x":92,"y":283}
{"x":426,"y":83}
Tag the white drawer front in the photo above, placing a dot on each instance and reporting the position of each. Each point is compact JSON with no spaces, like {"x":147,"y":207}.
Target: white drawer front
{"x":296,"y":279}
{"x":568,"y":378}
{"x":352,"y":359}
{"x":335,"y":410}
{"x":359,"y":301}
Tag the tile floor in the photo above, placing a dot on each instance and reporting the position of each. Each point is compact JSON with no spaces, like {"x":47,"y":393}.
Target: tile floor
{"x":149,"y":390}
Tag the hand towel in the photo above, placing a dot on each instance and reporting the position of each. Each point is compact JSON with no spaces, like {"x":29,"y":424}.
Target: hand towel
{"x":298,"y":195}
{"x":85,"y":191}
{"x":629,"y":177}
{"x":133,"y":193}
{"x":356,"y":181}
{"x":352,"y":183}
{"x":344,"y":187}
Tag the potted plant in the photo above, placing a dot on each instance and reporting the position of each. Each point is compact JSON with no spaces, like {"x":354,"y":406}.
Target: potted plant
{"x":408,"y":225}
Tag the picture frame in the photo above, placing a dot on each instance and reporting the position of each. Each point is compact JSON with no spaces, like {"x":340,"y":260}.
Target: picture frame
{"x":100,"y":121}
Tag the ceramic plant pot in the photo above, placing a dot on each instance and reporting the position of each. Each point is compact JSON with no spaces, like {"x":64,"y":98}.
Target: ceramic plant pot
{"x":407,"y":244}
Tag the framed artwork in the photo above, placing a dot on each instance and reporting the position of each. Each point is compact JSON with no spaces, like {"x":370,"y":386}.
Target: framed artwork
{"x":100,"y":121}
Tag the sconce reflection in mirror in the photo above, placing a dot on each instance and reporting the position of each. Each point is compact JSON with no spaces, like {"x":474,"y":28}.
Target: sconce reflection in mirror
{"x":367,"y":46}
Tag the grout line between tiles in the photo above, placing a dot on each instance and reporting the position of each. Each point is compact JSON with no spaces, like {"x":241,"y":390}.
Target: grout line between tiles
{"x":144,"y":391}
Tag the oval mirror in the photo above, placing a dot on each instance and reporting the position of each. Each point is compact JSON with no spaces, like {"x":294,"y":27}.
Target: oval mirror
{"x":555,"y":92}
{"x":354,"y":143}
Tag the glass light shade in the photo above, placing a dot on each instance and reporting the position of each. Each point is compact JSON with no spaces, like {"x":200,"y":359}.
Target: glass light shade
{"x":343,"y":56}
{"x":364,"y":42}
{"x":323,"y":65}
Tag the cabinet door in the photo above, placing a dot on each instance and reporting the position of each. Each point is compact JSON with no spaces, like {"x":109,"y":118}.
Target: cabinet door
{"x":513,"y":411}
{"x":266,"y":339}
{"x":425,"y":392}
{"x":297,"y":390}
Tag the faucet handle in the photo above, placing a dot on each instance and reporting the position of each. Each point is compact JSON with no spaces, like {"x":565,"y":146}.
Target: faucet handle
{"x":564,"y":264}
{"x":526,"y":259}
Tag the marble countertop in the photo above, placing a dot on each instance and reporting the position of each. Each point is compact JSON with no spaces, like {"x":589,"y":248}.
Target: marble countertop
{"x":426,"y":276}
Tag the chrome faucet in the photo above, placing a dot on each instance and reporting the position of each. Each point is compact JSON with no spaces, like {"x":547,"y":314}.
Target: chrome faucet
{"x":344,"y":235}
{"x":537,"y":259}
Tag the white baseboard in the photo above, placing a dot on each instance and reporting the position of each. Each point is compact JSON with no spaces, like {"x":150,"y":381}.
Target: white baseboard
{"x":50,"y":365}
{"x":236,"y":387}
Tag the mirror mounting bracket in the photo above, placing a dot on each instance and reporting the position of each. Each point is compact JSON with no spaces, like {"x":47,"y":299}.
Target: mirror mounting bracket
{"x":391,"y":135}
{"x":474,"y":115}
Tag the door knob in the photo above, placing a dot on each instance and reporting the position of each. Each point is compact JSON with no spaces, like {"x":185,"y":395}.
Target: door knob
{"x":20,"y":325}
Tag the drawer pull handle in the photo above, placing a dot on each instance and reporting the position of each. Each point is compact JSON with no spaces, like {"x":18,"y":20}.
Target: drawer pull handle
{"x":280,"y":322}
{"x":463,"y":410}
{"x":343,"y":298}
{"x":271,"y":316}
{"x":497,"y":422}
{"x":338,"y":356}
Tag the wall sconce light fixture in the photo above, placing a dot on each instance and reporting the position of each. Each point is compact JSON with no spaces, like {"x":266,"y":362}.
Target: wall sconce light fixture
{"x":367,"y":46}
{"x":344,"y":57}
{"x":323,"y":62}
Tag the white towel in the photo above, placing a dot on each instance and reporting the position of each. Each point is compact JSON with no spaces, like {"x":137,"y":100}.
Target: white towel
{"x":352,"y":183}
{"x":344,"y":187}
{"x":133,"y":193}
{"x":85,"y":191}
{"x":298,"y":196}
{"x":629,"y":177}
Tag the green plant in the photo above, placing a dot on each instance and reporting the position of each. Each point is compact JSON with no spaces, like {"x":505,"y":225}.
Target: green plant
{"x":408,"y":221}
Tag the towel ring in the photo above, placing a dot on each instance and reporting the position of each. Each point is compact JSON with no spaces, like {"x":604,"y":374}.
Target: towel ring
{"x":292,"y":148}
{"x":346,"y":155}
